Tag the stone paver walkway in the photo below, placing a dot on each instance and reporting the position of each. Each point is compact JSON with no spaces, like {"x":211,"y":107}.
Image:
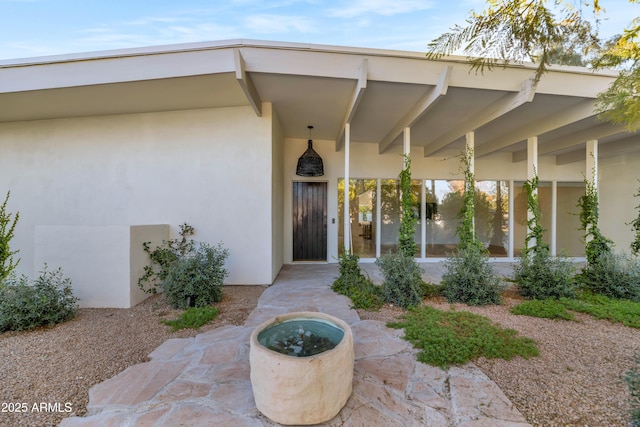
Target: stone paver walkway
{"x":204,"y":380}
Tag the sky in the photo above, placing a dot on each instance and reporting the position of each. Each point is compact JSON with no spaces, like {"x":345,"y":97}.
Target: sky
{"x":30,"y":28}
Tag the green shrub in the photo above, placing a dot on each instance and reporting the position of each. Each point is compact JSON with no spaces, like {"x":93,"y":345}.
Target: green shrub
{"x":613,"y":275}
{"x":193,"y":317}
{"x":163,"y":256}
{"x":546,"y":309}
{"x":403,"y":282}
{"x":632,"y":378}
{"x":538,"y":275}
{"x":448,"y":338}
{"x":196,"y":278}
{"x":470,"y":279}
{"x":48,"y":300}
{"x":353,"y":284}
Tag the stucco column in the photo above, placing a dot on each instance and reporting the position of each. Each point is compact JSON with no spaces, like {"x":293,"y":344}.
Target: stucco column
{"x":470,"y":145}
{"x":592,"y":163}
{"x":470,"y":149}
{"x":554,"y":217}
{"x":345,"y":209}
{"x":510,"y":249}
{"x":532,"y":170}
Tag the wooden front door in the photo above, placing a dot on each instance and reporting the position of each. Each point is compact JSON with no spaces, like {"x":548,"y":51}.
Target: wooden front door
{"x":309,"y":221}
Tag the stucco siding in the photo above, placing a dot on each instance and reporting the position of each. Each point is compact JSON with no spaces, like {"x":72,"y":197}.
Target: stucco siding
{"x":204,"y":167}
{"x":617,"y":185}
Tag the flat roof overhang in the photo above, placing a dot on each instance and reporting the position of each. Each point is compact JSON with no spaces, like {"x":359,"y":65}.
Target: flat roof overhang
{"x":379,"y":92}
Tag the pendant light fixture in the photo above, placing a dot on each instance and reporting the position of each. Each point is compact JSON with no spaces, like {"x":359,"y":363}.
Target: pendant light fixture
{"x":310,"y":163}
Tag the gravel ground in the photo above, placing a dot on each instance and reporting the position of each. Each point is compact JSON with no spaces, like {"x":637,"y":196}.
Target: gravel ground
{"x":57,"y":365}
{"x":576,"y":381}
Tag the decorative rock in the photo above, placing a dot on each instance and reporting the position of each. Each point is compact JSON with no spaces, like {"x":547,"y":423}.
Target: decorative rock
{"x":302,"y":390}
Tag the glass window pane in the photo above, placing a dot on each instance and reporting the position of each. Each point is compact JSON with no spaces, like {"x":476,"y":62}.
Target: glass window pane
{"x":362,"y":203}
{"x":442,"y":208}
{"x":492,"y":216}
{"x":390,"y":215}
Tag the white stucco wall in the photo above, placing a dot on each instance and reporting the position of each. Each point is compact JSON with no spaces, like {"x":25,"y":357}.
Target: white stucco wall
{"x":617,"y":185}
{"x":277,"y":197}
{"x":204,"y":167}
{"x":103,"y":262}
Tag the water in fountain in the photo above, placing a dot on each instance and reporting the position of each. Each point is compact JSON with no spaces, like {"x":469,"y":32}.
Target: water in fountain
{"x":301,"y":337}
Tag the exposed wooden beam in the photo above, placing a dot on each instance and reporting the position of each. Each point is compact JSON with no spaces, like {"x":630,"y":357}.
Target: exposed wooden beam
{"x":356,"y":97}
{"x":246,"y":83}
{"x":575,"y":139}
{"x":418,"y":110}
{"x":499,"y":108}
{"x":579,"y":112}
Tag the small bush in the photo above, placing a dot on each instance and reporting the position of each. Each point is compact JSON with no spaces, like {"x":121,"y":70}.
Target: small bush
{"x":613,"y":275}
{"x":402,"y":279}
{"x":48,"y":300}
{"x":196,"y":279}
{"x":470,"y":279}
{"x":164,"y":256}
{"x":448,"y":338}
{"x":546,"y":309}
{"x":632,"y":378}
{"x":193,"y":317}
{"x":353,"y":284}
{"x":538,"y":275}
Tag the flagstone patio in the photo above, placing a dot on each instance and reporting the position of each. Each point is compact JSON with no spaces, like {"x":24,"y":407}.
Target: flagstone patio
{"x":204,"y":380}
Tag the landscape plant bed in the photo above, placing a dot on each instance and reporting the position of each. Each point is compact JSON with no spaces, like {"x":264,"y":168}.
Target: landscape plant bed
{"x":577,"y":378}
{"x":575,"y":381}
{"x":59,"y":364}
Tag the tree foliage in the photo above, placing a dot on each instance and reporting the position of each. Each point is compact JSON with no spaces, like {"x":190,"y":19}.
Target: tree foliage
{"x":549,"y":32}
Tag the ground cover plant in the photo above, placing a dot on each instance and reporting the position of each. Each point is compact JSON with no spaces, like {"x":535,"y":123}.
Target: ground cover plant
{"x":599,"y":306}
{"x":193,"y":318}
{"x":47,"y":300}
{"x":447,"y":338}
{"x":355,"y":285}
{"x":546,"y":309}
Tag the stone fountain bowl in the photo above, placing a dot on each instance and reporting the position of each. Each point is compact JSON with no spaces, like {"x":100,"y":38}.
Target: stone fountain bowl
{"x":297,"y":378}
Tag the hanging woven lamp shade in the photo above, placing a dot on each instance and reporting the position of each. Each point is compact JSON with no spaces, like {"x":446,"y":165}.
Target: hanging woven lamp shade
{"x":310,"y":163}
